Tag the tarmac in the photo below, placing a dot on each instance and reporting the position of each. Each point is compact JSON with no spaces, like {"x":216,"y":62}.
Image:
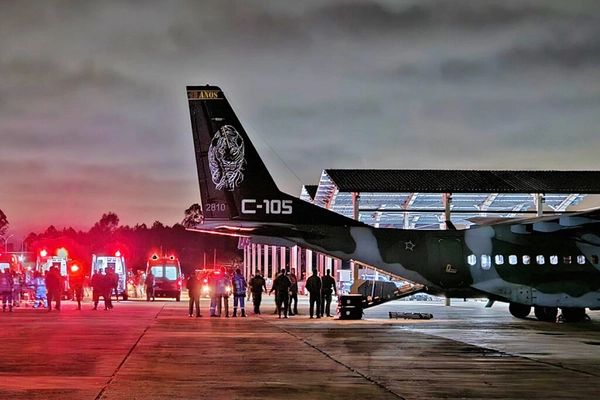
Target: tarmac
{"x":154,"y":350}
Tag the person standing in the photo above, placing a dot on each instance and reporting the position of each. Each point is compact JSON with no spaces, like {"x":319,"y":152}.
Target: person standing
{"x":54,"y":287}
{"x":139,"y":285}
{"x":99,"y":288}
{"x":313,"y":285}
{"x":150,"y":283}
{"x":6,"y":289}
{"x":212,"y":289}
{"x":223,"y":289}
{"x":257,"y":284}
{"x":76,"y":282}
{"x":293,"y":291}
{"x":239,"y":292}
{"x":112,"y":284}
{"x":39,"y":285}
{"x":328,"y":288}
{"x":194,"y":288}
{"x":17,"y":287}
{"x":281,"y":286}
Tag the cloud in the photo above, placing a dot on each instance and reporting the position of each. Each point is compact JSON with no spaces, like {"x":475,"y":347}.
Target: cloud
{"x":93,"y":93}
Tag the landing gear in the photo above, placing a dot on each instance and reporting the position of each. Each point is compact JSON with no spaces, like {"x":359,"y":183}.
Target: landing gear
{"x":546,"y":314}
{"x":519,"y":310}
{"x":573,"y":314}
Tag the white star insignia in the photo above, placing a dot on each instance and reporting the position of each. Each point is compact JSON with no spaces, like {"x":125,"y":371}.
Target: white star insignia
{"x":409,"y":245}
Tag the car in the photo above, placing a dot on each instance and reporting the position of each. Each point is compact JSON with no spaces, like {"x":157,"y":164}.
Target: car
{"x":419,"y":297}
{"x":205,"y":275}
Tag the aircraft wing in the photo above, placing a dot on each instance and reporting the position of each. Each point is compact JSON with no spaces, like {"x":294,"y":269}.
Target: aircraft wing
{"x":276,"y":232}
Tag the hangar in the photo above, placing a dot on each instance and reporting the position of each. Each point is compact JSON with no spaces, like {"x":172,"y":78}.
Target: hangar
{"x":429,"y":199}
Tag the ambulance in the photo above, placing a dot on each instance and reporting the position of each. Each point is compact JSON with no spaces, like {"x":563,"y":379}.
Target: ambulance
{"x":101,"y":264}
{"x":167,"y":276}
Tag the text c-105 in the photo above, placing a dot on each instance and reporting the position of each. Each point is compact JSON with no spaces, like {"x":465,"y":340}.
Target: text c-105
{"x":252,"y":206}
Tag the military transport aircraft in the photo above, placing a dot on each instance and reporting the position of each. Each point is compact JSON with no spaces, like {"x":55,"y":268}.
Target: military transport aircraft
{"x":548,"y":262}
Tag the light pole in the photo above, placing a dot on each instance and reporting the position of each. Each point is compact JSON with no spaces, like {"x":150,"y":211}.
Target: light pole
{"x":6,"y":241}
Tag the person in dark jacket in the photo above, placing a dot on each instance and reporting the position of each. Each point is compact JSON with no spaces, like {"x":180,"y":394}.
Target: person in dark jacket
{"x":257,"y":284}
{"x":76,"y":283}
{"x":6,"y":289}
{"x":54,"y":287}
{"x":99,"y":286}
{"x":281,"y":286}
{"x":239,"y":292}
{"x":194,"y":288}
{"x":150,"y":282}
{"x":328,"y":288}
{"x":113,"y":285}
{"x":293,"y":292}
{"x":313,"y":285}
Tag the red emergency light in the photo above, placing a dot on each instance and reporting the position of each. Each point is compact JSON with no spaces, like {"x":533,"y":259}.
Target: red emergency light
{"x":43,"y":253}
{"x":74,"y":268}
{"x":117,"y":253}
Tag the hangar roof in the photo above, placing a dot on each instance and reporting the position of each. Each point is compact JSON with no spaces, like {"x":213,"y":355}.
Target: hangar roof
{"x":414,"y":198}
{"x":464,"y":181}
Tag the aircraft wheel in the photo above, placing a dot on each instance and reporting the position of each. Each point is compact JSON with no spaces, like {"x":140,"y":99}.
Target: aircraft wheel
{"x":573,"y":314}
{"x":519,"y":310}
{"x":546,"y":314}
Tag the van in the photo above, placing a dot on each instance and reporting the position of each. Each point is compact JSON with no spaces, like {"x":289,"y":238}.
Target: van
{"x":167,"y":275}
{"x":101,"y":264}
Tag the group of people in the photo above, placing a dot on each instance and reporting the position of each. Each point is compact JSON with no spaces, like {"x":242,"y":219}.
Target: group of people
{"x":11,"y":284}
{"x":221,"y":286}
{"x":285,"y":286}
{"x":103,"y":285}
{"x":47,"y":288}
{"x":320,"y":291}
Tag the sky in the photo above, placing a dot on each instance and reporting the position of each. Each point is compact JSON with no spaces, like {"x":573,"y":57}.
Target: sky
{"x":94,"y":117}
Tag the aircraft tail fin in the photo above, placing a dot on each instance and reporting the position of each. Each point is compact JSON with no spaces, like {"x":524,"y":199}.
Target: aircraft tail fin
{"x":234,"y":182}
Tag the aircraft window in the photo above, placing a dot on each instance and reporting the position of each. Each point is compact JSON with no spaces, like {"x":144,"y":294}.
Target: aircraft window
{"x":580,"y":259}
{"x":594,"y":259}
{"x":567,"y":260}
{"x":512,"y":259}
{"x":499,"y":259}
{"x":486,"y":262}
{"x":553,"y":260}
{"x":540,"y":260}
{"x":526,"y":260}
{"x":472,"y":259}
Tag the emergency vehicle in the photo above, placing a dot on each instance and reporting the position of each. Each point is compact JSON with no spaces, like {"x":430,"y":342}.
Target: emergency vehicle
{"x":101,"y":264}
{"x":45,"y":261}
{"x":167,"y":276}
{"x":206,"y":278}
